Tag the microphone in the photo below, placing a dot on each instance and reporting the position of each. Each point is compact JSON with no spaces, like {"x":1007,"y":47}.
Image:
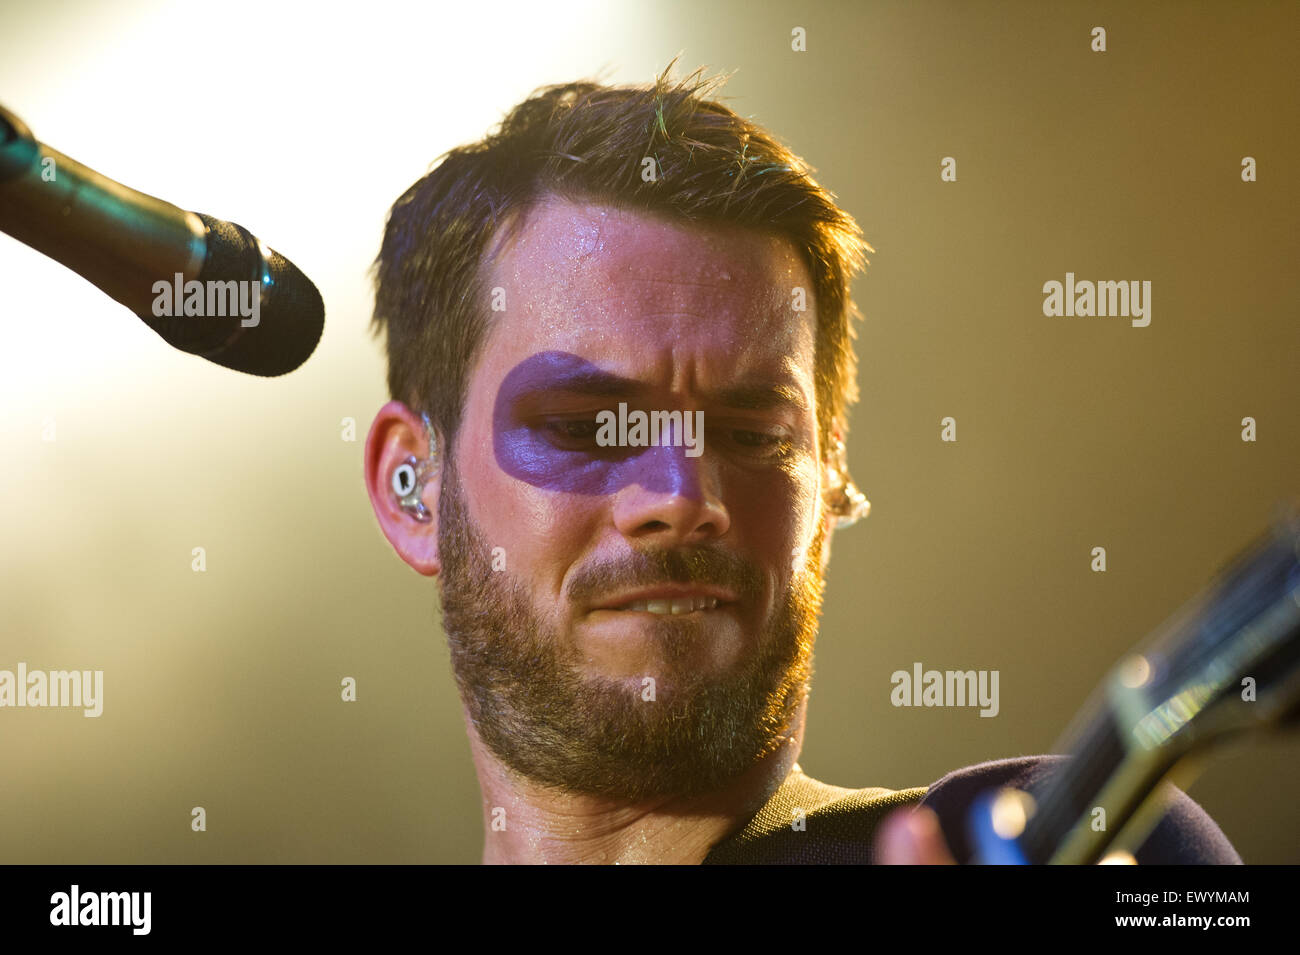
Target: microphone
{"x":206,"y":286}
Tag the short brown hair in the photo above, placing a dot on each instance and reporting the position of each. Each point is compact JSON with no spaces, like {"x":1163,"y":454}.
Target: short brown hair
{"x":587,"y":141}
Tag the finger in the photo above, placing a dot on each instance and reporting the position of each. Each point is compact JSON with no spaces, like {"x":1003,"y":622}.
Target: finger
{"x":912,"y":837}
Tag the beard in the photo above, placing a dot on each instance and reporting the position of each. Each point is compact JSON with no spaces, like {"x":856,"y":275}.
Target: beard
{"x":533,"y":708}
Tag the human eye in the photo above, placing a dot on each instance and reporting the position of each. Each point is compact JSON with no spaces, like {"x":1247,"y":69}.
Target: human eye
{"x":572,"y":433}
{"x":757,"y":443}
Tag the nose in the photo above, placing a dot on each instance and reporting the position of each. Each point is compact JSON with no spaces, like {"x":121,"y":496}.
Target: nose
{"x":671,"y":498}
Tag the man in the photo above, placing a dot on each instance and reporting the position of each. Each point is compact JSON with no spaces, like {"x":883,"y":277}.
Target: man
{"x":631,"y":602}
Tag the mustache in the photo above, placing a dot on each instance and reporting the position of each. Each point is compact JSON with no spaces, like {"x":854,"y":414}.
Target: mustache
{"x":647,"y":568}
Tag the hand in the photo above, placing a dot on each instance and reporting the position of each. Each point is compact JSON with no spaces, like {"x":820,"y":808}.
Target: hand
{"x":908,"y":837}
{"x":912,"y":837}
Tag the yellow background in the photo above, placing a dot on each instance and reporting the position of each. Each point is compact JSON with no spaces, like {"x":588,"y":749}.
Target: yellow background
{"x":222,"y":688}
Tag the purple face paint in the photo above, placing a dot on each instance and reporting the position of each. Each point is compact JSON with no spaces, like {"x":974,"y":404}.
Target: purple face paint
{"x":526,"y":452}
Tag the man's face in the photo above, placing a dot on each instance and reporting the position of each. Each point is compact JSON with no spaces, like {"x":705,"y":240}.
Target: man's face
{"x":559,"y":555}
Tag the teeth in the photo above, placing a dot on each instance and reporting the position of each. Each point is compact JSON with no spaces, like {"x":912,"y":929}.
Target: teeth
{"x":675,"y":606}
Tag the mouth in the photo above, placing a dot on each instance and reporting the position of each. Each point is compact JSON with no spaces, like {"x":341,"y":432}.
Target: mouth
{"x":673,"y":607}
{"x":669,"y":600}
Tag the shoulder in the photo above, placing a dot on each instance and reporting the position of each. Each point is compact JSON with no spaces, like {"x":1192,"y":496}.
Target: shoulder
{"x":1186,"y":835}
{"x":807,"y":822}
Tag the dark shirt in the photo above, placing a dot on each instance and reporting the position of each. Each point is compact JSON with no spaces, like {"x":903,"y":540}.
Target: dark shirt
{"x":839,"y":825}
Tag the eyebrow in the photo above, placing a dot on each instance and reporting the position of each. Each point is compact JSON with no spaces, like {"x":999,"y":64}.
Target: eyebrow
{"x":761,"y":395}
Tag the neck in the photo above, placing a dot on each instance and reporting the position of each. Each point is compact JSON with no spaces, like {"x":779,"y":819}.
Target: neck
{"x":543,"y":825}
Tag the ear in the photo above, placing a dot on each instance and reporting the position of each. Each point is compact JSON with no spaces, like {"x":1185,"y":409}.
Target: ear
{"x":396,"y":434}
{"x":843,"y":504}
{"x":828,"y":522}
{"x":829,"y":531}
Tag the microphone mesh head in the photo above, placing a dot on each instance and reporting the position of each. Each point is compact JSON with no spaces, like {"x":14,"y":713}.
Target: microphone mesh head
{"x":277,"y":323}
